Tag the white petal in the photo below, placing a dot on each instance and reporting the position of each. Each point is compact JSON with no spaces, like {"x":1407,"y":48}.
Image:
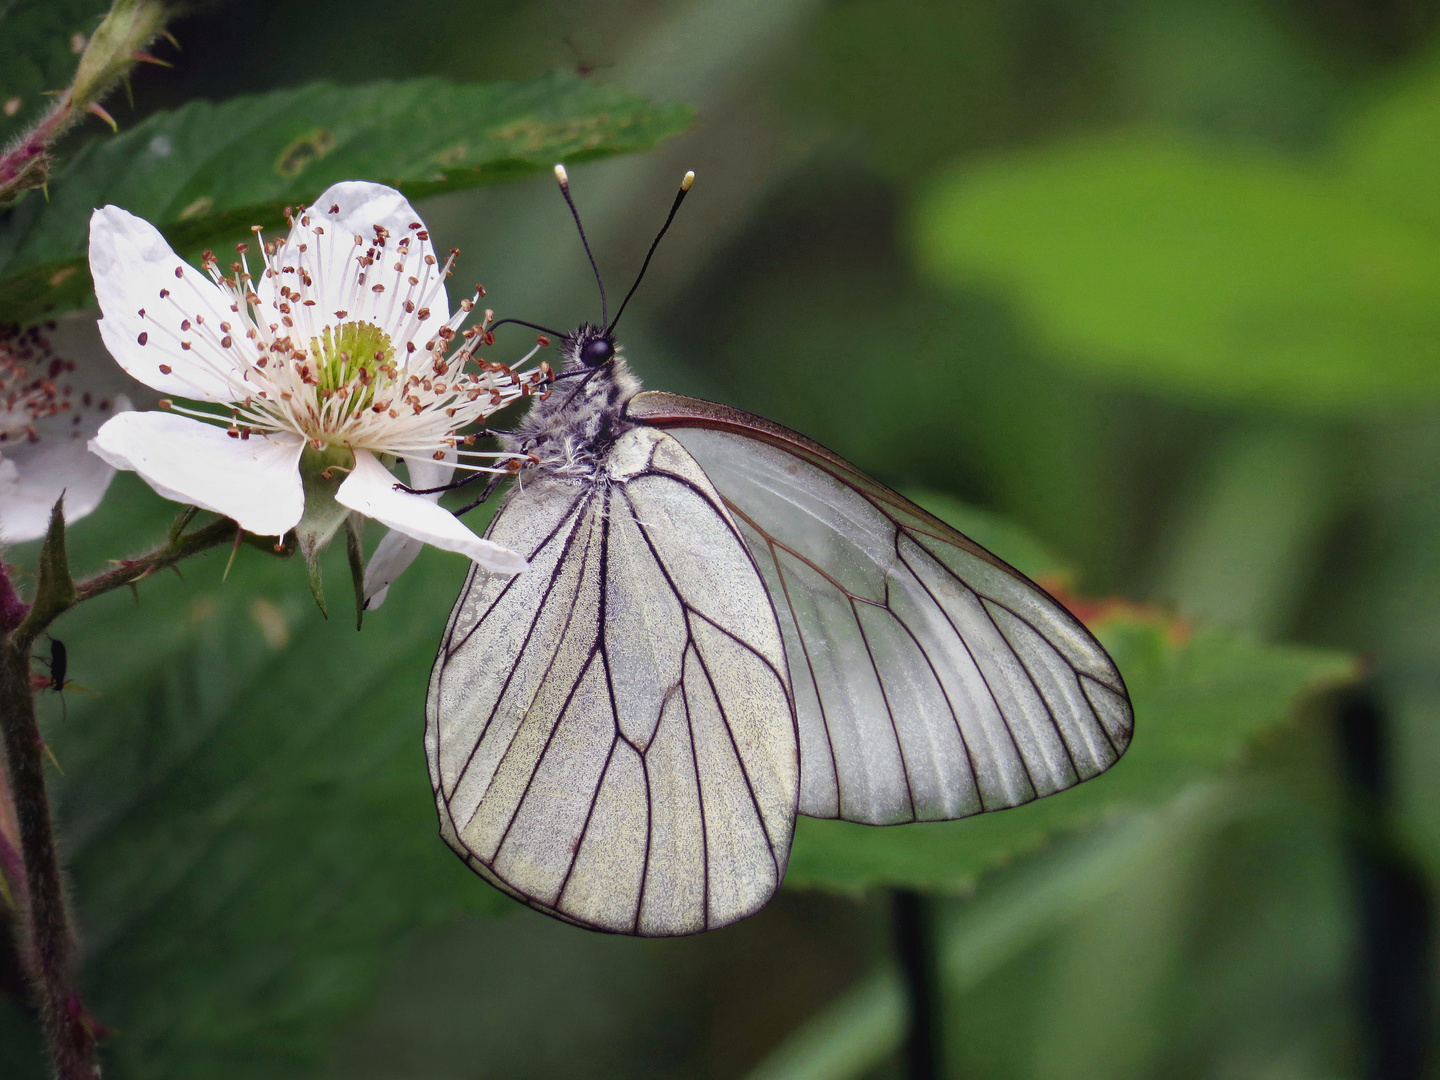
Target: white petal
{"x":332,"y":260}
{"x":425,"y":474}
{"x":370,"y":490}
{"x":396,"y":551}
{"x":256,"y":481}
{"x":393,"y":556}
{"x":132,"y":264}
{"x":39,"y":472}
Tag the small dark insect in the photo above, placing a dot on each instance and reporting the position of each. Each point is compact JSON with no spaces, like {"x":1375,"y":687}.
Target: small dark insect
{"x":583,"y":68}
{"x":59,"y":664}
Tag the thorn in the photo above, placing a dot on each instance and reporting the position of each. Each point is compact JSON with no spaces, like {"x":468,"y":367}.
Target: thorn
{"x":146,"y":58}
{"x":169,"y":37}
{"x":51,"y":755}
{"x":239,"y":536}
{"x":96,"y":109}
{"x":178,"y":574}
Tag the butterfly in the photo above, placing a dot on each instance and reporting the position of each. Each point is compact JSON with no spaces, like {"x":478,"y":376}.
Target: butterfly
{"x":724,"y":625}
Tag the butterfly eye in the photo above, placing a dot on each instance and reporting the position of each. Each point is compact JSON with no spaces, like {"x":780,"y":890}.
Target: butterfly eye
{"x":597,"y":352}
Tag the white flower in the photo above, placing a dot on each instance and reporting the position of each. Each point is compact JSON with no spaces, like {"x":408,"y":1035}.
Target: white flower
{"x":55,"y":392}
{"x":333,"y":363}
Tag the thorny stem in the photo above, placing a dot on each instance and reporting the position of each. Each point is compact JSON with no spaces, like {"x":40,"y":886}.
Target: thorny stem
{"x":220,"y":531}
{"x":51,"y":947}
{"x":48,"y":945}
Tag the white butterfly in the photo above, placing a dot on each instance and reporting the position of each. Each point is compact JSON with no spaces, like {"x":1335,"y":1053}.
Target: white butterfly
{"x":724,"y":624}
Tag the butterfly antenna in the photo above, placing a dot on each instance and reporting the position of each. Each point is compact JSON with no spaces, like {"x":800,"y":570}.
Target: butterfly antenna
{"x":564,"y":178}
{"x":531,"y":325}
{"x":674,"y":208}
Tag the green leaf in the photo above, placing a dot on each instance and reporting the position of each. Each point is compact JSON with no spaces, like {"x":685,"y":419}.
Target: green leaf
{"x":1391,"y":148}
{"x":205,"y":173}
{"x":38,"y":54}
{"x":1199,"y":271}
{"x":1200,"y":699}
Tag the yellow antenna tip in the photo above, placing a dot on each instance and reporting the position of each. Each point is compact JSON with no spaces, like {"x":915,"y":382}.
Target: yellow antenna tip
{"x":562,"y":175}
{"x":689,"y":179}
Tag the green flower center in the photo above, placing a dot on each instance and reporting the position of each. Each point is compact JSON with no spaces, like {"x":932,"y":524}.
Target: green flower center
{"x":350,"y":359}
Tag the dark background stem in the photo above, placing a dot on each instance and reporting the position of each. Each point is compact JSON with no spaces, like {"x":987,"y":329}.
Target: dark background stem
{"x":1395,"y":965}
{"x":915,"y":949}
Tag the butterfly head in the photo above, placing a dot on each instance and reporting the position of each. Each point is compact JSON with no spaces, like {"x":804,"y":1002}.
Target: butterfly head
{"x":588,"y":348}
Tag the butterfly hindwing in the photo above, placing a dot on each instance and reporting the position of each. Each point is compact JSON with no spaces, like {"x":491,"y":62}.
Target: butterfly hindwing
{"x":931,"y":680}
{"x":609,"y":733}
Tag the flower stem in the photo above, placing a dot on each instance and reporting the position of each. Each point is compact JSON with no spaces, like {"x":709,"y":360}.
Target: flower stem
{"x":51,"y":947}
{"x":47,"y":945}
{"x":217,"y":532}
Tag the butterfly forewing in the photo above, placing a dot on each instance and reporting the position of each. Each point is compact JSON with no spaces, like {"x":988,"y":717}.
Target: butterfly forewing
{"x":931,"y":680}
{"x":609,"y":733}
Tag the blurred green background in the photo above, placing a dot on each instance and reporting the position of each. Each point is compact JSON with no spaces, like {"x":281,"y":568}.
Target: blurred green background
{"x":1143,"y":293}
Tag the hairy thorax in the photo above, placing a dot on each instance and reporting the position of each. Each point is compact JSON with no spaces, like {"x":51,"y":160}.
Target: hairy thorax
{"x":570,"y":432}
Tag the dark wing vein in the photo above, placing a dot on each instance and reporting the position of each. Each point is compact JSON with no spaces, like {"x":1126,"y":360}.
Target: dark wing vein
{"x":1029,"y":778}
{"x":589,"y":813}
{"x":954,"y":715}
{"x":529,"y":632}
{"x":559,"y":716}
{"x":739,"y":758}
{"x":704,"y":667}
{"x":1049,"y":712}
{"x":809,"y":663}
{"x":889,"y":709}
{"x":1000,"y":603}
{"x":699,"y":787}
{"x":1020,"y":617}
{"x":649,"y":830}
{"x":564,"y":519}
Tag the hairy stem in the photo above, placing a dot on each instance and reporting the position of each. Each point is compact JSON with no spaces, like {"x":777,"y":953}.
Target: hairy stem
{"x":50,"y":946}
{"x":220,"y":531}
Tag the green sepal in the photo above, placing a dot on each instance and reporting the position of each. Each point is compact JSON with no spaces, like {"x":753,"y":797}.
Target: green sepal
{"x":354,"y":531}
{"x":54,"y":588}
{"x":182,"y":519}
{"x":317,"y":589}
{"x":322,"y":472}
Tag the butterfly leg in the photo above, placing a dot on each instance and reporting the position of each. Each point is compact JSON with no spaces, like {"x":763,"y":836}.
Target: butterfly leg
{"x":454,"y":485}
{"x":490,"y":487}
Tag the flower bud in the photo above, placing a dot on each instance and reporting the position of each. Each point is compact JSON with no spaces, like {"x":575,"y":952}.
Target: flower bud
{"x":129,"y":27}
